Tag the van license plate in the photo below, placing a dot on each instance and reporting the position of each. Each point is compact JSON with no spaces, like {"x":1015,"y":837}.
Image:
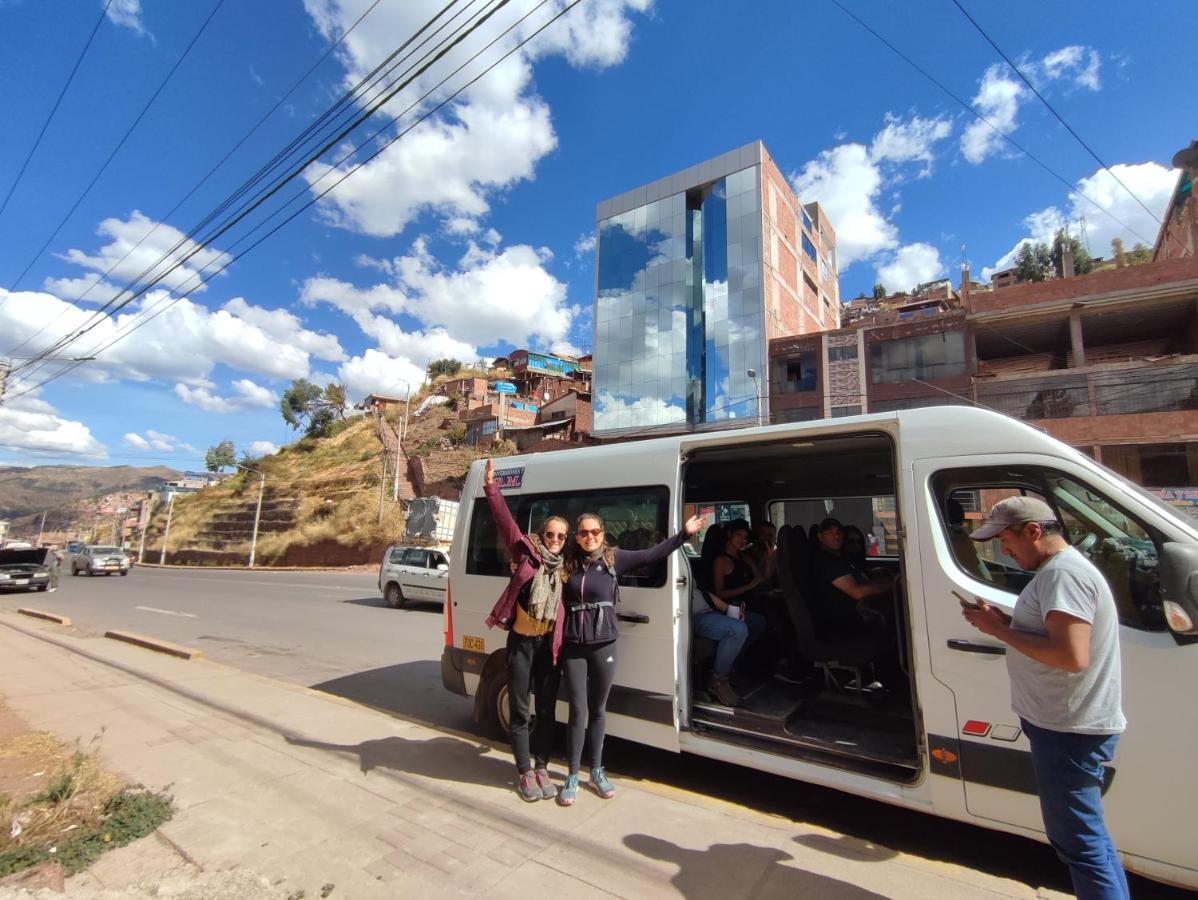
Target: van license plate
{"x":476,"y":644}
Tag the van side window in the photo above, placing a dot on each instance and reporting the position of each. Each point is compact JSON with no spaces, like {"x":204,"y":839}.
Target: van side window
{"x":634,"y":518}
{"x":1122,"y":548}
{"x":396,"y":557}
{"x":418,"y":559}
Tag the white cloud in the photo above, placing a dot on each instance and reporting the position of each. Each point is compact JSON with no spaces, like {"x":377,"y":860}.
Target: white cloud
{"x":847,"y":180}
{"x":32,"y":425}
{"x":263,"y":448}
{"x":487,"y":140}
{"x":247,"y":395}
{"x":285,"y":327}
{"x":127,"y":14}
{"x":129,"y":261}
{"x":910,"y":266}
{"x":156,"y":440}
{"x":1001,"y":92}
{"x":376,"y":372}
{"x":997,"y":100}
{"x":1150,"y":182}
{"x":585,"y":245}
{"x":616,"y":412}
{"x":184,"y":343}
{"x":491,"y":296}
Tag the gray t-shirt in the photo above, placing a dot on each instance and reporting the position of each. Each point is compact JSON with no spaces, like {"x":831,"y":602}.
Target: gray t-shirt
{"x":1089,"y":701}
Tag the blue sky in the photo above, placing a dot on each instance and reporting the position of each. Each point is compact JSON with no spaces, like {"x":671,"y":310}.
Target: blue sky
{"x":471,"y":235}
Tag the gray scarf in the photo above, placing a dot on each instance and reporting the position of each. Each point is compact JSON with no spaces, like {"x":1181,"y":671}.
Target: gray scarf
{"x":545,"y":589}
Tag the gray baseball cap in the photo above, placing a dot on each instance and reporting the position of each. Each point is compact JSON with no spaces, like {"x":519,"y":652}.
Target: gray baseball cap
{"x":1013,"y":511}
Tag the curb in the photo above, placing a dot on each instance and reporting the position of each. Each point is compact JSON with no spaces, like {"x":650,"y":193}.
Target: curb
{"x":151,"y":643}
{"x":48,"y":616}
{"x":370,"y":566}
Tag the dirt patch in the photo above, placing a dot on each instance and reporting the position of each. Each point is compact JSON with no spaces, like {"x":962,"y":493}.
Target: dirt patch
{"x":59,"y":810}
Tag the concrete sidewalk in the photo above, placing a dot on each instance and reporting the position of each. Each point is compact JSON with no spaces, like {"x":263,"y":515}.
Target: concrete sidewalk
{"x":281,"y":789}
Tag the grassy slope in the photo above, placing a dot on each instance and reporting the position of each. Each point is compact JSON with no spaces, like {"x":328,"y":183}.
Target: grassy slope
{"x":28,"y":491}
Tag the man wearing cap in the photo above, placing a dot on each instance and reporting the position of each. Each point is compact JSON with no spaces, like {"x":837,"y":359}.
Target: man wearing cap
{"x":1065,"y":687}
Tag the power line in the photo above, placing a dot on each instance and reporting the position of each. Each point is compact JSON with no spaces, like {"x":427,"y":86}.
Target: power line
{"x":263,"y":195}
{"x":1006,"y":137}
{"x":282,"y":99}
{"x":115,"y":151}
{"x":1052,"y":110}
{"x":58,"y":101}
{"x":357,"y":166}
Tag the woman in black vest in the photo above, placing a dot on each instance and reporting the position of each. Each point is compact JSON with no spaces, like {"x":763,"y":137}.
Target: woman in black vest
{"x":588,"y":651}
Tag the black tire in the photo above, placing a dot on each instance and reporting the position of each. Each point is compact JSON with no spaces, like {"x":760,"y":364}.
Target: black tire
{"x":42,"y":587}
{"x":74,"y":572}
{"x":394,"y":596}
{"x":495,"y":705}
{"x":124,"y":573}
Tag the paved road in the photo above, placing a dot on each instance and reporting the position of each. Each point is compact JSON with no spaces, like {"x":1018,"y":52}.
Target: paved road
{"x":332,"y":631}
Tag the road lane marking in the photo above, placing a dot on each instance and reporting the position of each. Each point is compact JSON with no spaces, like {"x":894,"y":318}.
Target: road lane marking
{"x":166,"y":612}
{"x":267,"y":583}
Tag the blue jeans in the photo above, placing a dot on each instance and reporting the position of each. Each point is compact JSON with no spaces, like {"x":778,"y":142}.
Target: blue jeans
{"x":1069,"y":779}
{"x":731,"y":636}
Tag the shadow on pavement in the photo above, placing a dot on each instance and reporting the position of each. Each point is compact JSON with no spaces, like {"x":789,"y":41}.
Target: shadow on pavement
{"x":443,"y":758}
{"x":377,"y":602}
{"x":420,"y":606}
{"x":411,"y":689}
{"x":756,"y":871}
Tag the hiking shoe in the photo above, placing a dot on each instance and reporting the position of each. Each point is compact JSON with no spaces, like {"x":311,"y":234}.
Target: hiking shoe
{"x":548,"y":788}
{"x":528,"y":789}
{"x":721,"y":689}
{"x":569,"y":791}
{"x":600,"y":785}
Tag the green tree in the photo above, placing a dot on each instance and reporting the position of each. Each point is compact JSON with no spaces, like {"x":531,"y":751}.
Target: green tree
{"x":1033,"y":262}
{"x":879,"y":291}
{"x":1083,"y":264}
{"x":445,"y":366}
{"x":222,"y":456}
{"x":1139,"y":254}
{"x":305,"y":405}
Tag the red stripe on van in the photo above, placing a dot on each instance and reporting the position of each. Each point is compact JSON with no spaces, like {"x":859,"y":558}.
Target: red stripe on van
{"x":448,"y":613}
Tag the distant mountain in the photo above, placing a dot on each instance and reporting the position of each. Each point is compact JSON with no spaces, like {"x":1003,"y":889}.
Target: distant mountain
{"x":29,"y":491}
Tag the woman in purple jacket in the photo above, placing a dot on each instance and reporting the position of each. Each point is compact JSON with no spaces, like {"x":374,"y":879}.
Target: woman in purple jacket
{"x":588,"y":646}
{"x":528,"y":611}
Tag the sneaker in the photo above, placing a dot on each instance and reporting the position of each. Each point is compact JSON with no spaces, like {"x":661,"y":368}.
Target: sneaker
{"x":721,"y":689}
{"x":600,"y":785}
{"x":569,"y":791}
{"x":548,"y":788}
{"x":528,"y":789}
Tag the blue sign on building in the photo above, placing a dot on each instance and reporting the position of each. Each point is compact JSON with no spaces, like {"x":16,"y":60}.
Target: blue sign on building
{"x":504,"y":387}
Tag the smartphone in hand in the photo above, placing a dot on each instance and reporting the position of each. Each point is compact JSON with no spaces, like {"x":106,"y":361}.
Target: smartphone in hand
{"x":966,"y":604}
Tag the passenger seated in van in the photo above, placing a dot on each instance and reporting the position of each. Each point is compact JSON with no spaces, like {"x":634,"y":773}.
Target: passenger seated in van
{"x":729,"y":622}
{"x":847,"y":593}
{"x":528,"y":611}
{"x":762,"y":553}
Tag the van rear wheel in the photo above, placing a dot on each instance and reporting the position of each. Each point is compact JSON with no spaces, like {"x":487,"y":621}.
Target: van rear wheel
{"x":394,"y":596}
{"x":495,"y":705}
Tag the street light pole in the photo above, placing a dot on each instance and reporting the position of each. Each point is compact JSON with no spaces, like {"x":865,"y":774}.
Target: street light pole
{"x":257,"y":510}
{"x":166,"y":533}
{"x":752,"y":373}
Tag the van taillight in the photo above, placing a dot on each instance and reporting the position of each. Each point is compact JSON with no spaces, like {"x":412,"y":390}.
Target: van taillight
{"x":448,"y":613}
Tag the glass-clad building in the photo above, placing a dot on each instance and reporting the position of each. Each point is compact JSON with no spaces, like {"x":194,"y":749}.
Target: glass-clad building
{"x":679,"y":305}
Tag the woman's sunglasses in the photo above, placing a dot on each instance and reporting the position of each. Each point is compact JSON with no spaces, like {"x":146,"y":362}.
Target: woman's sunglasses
{"x":589,"y":532}
{"x":554,"y":535}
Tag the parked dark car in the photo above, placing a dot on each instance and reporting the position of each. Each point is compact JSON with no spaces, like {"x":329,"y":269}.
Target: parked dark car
{"x":25,"y":570}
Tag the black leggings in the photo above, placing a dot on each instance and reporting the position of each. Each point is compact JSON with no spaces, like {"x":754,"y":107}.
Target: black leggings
{"x":530,"y":669}
{"x":589,"y":670}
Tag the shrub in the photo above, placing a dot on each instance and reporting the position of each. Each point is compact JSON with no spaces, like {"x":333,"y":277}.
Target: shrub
{"x":457,"y":432}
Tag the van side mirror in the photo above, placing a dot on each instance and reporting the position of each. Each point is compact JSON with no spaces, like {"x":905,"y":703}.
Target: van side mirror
{"x":442,"y":567}
{"x":1179,"y":589}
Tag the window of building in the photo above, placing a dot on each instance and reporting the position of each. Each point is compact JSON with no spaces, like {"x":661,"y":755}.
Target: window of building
{"x":634,"y":518}
{"x":809,"y":248}
{"x":1122,"y":547}
{"x":489,"y":426}
{"x":841,"y":411}
{"x":806,"y":218}
{"x":798,"y":414}
{"x":925,"y":358}
{"x":798,"y":373}
{"x":824,"y":271}
{"x":842,"y":354}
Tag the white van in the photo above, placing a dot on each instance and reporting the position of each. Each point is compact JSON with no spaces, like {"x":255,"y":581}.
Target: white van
{"x":947,"y":742}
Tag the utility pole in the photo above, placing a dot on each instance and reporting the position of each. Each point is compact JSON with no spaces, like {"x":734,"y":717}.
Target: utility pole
{"x":170,"y":509}
{"x":141,"y":546}
{"x":42,"y":529}
{"x":257,"y":517}
{"x":383,"y":486}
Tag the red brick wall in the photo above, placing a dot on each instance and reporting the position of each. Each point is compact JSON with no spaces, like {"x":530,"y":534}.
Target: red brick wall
{"x":1144,"y":428}
{"x":1126,"y":279}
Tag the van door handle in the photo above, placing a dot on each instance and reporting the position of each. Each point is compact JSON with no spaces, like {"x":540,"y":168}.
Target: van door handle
{"x":971,"y":647}
{"x":635,"y":618}
{"x":680,"y":581}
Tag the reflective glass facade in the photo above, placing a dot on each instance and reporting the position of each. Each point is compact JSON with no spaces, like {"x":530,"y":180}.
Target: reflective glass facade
{"x":679,"y":309}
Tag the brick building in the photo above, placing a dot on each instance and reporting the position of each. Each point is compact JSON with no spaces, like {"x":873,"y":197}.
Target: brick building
{"x":1107,"y":362}
{"x":1178,"y":236}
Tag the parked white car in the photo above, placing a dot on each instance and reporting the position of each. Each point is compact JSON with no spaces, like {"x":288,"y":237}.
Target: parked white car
{"x":100,"y":560}
{"x":413,"y":573}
